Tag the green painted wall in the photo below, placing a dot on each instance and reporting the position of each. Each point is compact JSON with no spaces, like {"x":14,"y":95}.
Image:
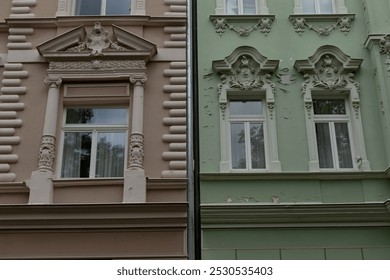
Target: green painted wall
{"x":295,"y":184}
{"x":317,"y":243}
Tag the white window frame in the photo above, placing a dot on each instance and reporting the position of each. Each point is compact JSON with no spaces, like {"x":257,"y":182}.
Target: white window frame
{"x":94,"y":129}
{"x":247,"y":120}
{"x":339,"y":7}
{"x":67,"y":7}
{"x":261,"y":7}
{"x":331,"y":120}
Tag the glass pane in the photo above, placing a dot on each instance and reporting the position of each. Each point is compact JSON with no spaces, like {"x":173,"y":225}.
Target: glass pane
{"x":249,"y":7}
{"x":329,"y":106}
{"x":308,"y":7}
{"x":77,"y":155}
{"x":110,"y":154}
{"x":324,"y":145}
{"x":343,"y":145}
{"x":118,"y":7}
{"x":257,"y":146}
{"x":246,"y":108}
{"x":95,"y":116}
{"x":232,"y":7}
{"x":238,"y":145}
{"x":326,"y":6}
{"x":88,"y":7}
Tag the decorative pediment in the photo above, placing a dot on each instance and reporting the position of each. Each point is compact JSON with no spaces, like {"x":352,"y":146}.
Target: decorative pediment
{"x":328,"y":68}
{"x":245,"y":69}
{"x":82,"y":45}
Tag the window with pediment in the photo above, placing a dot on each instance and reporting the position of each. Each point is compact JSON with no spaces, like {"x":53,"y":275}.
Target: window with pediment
{"x":332,"y":111}
{"x":247,"y":122}
{"x":241,"y":7}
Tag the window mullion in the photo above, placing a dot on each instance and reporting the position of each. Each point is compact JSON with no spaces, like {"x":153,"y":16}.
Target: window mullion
{"x":334,"y":145}
{"x":248,"y":146}
{"x":103,"y":7}
{"x":92,"y":166}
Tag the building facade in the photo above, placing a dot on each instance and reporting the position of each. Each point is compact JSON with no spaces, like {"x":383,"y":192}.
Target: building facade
{"x":93,"y":129}
{"x":293,"y":129}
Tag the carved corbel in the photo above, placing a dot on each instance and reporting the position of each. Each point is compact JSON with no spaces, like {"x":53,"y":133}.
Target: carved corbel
{"x":384,"y":44}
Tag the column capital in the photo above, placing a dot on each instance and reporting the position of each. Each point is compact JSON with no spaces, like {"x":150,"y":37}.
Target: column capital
{"x":138,"y":79}
{"x":53,"y":82}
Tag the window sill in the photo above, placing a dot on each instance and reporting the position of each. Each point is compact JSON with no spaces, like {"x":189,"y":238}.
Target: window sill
{"x":301,"y":22}
{"x":248,"y":23}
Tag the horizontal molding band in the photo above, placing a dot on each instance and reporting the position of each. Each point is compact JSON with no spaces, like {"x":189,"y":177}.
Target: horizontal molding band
{"x":167,"y":138}
{"x":10,"y":123}
{"x":178,"y":164}
{"x":174,"y":155}
{"x":178,"y":112}
{"x":173,"y":121}
{"x":13,"y":90}
{"x":4,"y":167}
{"x":174,"y":104}
{"x":178,"y":129}
{"x":175,"y":72}
{"x":174,"y":174}
{"x":9,"y":140}
{"x":11,"y":83}
{"x":12,"y":106}
{"x":7,"y":131}
{"x":7,"y":177}
{"x":8,"y":158}
{"x":5,"y":149}
{"x":8,"y":114}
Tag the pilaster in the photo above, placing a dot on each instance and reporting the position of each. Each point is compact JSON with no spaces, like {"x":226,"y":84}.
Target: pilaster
{"x":134,"y":178}
{"x":41,"y":183}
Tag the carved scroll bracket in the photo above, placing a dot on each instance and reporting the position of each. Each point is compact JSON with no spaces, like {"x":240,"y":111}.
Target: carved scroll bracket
{"x":242,"y":25}
{"x":384,"y":44}
{"x":340,"y":21}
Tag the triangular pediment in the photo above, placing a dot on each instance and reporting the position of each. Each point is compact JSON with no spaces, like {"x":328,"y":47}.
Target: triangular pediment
{"x":104,"y":43}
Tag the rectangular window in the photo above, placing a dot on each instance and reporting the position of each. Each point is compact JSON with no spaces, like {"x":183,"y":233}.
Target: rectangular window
{"x":332,"y":134}
{"x":94,"y":142}
{"x":240,"y":7}
{"x":317,"y":6}
{"x":247,"y":134}
{"x":102,"y":7}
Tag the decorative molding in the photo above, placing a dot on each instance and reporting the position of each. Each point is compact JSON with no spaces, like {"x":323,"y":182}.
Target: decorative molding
{"x":47,"y":152}
{"x":261,"y":22}
{"x":245,"y":72}
{"x":138,"y":80}
{"x":96,"y":65}
{"x":330,"y":72}
{"x":136,"y":151}
{"x":384,"y":44}
{"x":53,"y":82}
{"x":263,"y":215}
{"x":341,"y":21}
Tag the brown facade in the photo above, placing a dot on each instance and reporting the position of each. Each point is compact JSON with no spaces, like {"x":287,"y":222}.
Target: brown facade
{"x":54,"y":63}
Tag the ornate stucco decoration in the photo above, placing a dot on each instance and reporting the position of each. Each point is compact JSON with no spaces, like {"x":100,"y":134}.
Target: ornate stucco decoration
{"x":242,"y":25}
{"x":384,"y":44}
{"x":99,"y":50}
{"x":329,"y":73}
{"x":341,"y":21}
{"x":246,"y":74}
{"x":136,"y":151}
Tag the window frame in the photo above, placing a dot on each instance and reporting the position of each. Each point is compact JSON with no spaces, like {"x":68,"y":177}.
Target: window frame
{"x":261,"y":8}
{"x":339,"y":7}
{"x":247,"y":120}
{"x":103,"y":8}
{"x":331,"y":119}
{"x":317,"y":7}
{"x":67,"y":8}
{"x":95,"y":129}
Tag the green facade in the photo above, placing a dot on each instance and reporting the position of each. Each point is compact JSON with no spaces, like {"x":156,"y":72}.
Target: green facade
{"x":339,"y":236}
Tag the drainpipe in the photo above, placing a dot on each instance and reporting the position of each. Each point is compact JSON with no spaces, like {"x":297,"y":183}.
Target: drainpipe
{"x":193,"y":233}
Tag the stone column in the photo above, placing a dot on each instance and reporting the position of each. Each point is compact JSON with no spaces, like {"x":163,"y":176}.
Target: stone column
{"x":135,"y":179}
{"x":40,"y":183}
